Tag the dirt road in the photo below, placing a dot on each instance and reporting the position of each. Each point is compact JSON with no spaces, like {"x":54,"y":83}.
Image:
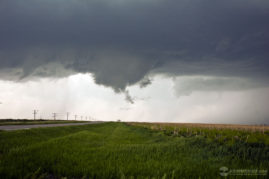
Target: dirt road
{"x":18,"y":127}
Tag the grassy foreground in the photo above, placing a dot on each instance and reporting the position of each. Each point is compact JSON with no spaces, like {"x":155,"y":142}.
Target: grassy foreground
{"x":118,"y":150}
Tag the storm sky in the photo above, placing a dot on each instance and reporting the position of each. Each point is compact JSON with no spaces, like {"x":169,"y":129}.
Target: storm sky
{"x":141,"y":60}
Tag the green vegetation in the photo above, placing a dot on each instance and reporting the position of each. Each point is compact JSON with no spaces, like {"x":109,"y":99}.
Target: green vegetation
{"x":224,"y":136}
{"x":119,"y":150}
{"x":32,"y":122}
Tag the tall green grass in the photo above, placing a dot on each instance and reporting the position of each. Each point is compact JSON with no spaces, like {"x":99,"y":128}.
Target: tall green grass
{"x":118,"y":150}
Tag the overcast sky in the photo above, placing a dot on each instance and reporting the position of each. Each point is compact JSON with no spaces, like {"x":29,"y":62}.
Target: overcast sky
{"x":140,"y":60}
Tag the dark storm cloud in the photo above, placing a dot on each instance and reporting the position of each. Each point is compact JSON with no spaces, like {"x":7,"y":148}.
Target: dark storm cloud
{"x":145,"y":82}
{"x":122,"y":41}
{"x":185,"y":86}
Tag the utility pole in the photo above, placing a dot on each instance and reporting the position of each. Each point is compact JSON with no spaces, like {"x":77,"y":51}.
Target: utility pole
{"x":67,"y":115}
{"x":34,"y":113}
{"x":76,"y":117}
{"x":54,"y":115}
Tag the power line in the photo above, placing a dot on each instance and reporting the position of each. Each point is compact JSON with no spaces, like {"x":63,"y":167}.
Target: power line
{"x":67,"y":115}
{"x":34,"y":113}
{"x":54,"y":115}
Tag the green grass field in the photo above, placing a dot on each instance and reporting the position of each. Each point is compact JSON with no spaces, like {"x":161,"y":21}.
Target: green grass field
{"x":120,"y":150}
{"x":32,"y":122}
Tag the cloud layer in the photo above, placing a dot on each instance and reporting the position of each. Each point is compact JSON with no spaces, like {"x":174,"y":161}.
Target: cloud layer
{"x":185,"y":86}
{"x":123,"y":42}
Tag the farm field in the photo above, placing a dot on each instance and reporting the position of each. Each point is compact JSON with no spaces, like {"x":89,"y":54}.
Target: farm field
{"x":33,"y":122}
{"x":131,"y":150}
{"x":251,"y":128}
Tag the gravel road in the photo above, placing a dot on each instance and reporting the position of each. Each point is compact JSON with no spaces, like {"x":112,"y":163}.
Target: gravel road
{"x":18,"y":127}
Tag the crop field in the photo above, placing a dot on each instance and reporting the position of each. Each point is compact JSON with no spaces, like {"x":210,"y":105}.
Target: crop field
{"x":252,"y":128}
{"x":132,"y":150}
